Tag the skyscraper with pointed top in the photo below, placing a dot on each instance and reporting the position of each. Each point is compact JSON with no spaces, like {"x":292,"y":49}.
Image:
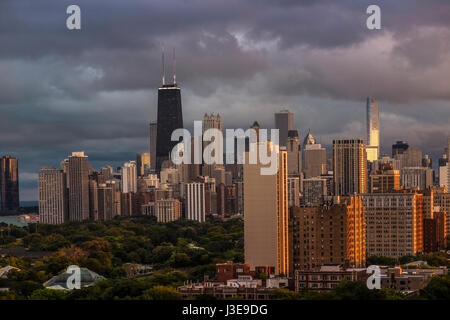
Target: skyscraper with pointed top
{"x":170,"y":116}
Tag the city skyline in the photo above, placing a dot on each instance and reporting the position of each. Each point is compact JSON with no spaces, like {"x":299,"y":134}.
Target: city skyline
{"x":82,"y":103}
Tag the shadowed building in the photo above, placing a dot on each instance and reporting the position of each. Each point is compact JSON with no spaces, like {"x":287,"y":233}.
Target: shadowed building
{"x":78,"y":181}
{"x":9,"y":183}
{"x":284,"y":121}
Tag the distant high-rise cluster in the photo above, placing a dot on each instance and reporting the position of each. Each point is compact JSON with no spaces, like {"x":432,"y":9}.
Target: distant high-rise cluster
{"x":335,"y":206}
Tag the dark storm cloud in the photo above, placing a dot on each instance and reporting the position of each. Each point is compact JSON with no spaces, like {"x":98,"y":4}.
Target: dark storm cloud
{"x":95,"y":89}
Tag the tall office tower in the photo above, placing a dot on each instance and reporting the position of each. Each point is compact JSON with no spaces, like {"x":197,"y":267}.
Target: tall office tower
{"x":9,"y":183}
{"x":170,"y":118}
{"x":93,"y":196}
{"x":373,"y":129}
{"x":105,"y":202}
{"x":349,"y":166}
{"x":314,"y":191}
{"x":399,"y":147}
{"x":266,"y":215}
{"x":294,"y":191}
{"x":419,"y":178}
{"x":294,"y":153}
{"x":129,"y":177}
{"x":52,"y":196}
{"x":195,"y":201}
{"x":314,"y":157}
{"x":153,"y":134}
{"x":384,"y":180}
{"x":284,"y":121}
{"x":333,"y":233}
{"x":78,"y":181}
{"x":210,"y":122}
{"x":403,"y":235}
{"x":410,"y":158}
{"x":143,"y":164}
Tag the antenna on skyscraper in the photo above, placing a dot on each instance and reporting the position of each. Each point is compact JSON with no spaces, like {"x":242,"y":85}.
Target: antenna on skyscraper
{"x":174,"y":67}
{"x":163,"y":68}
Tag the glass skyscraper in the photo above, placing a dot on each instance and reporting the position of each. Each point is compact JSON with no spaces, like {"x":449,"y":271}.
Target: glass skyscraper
{"x":373,"y":129}
{"x":170,"y":118}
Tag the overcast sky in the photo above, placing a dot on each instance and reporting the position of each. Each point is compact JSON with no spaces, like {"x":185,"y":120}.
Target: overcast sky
{"x":95,"y":89}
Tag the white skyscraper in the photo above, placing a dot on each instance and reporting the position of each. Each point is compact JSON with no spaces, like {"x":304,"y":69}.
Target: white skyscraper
{"x":129,"y":177}
{"x":373,"y":129}
{"x":195,"y":201}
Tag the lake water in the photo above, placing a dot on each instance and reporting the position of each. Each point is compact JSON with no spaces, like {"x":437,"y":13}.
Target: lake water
{"x":13,"y":220}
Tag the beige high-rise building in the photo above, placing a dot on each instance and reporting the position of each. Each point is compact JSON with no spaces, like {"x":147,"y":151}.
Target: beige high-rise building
{"x":330,"y":233}
{"x":349,"y":166}
{"x":143,"y":163}
{"x":78,"y":181}
{"x":266,"y":215}
{"x":314,"y":158}
{"x":52,"y":196}
{"x":394,"y":224}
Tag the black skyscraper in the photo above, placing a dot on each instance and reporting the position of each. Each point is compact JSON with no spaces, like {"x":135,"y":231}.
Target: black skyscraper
{"x":170,"y":118}
{"x":9,"y":183}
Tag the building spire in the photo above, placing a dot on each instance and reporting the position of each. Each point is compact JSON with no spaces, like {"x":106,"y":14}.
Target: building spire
{"x":174,"y":67}
{"x":163,"y":69}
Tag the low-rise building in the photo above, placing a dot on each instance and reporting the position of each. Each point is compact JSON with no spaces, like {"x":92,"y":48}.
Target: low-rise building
{"x":327,"y":277}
